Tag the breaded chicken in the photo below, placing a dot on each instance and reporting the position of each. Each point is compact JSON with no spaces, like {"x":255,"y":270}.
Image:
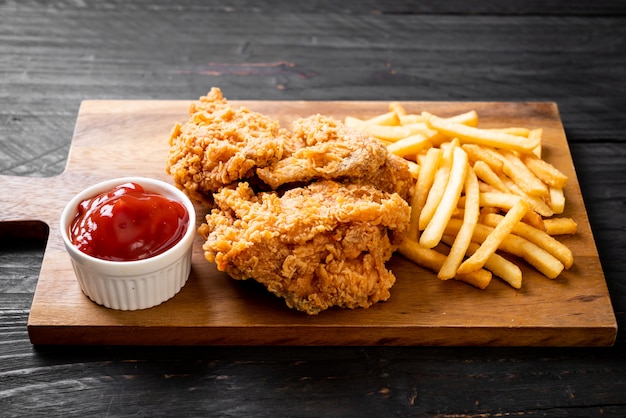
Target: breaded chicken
{"x":336,"y":215}
{"x":220,"y":145}
{"x":317,"y":246}
{"x":327,"y":149}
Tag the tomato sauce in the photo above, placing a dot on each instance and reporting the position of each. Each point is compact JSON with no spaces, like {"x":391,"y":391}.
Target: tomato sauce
{"x":128,"y":223}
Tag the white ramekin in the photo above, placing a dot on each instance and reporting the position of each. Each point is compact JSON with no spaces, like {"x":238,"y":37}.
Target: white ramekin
{"x":131,"y":285}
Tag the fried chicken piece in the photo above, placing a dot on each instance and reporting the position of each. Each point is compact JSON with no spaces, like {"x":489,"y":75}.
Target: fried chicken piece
{"x":219,"y":145}
{"x":318,"y":246}
{"x":327,"y":149}
{"x":392,"y":177}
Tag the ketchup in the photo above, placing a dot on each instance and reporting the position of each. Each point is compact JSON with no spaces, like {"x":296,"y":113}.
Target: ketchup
{"x":128,"y":224}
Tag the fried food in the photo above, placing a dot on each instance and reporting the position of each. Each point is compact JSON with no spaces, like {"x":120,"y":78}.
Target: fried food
{"x":508,"y":207}
{"x":312,"y":213}
{"x":329,"y":150}
{"x":219,"y":145}
{"x":317,"y":246}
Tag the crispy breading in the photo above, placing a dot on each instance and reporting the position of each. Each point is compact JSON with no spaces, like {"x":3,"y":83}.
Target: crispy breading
{"x":327,"y":149}
{"x":219,"y":145}
{"x":336,"y":215}
{"x":318,"y":246}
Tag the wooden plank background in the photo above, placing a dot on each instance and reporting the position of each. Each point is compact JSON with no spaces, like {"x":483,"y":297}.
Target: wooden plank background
{"x":54,"y":54}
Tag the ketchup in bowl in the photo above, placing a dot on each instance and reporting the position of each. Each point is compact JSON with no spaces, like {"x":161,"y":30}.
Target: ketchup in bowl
{"x":128,"y":223}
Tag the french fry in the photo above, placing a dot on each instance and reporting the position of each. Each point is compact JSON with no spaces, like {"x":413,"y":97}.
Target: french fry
{"x":419,"y":128}
{"x":536,"y":135}
{"x":498,"y":265}
{"x":486,"y":174}
{"x":468,"y":118}
{"x":434,"y":230}
{"x":464,"y":236}
{"x":397,"y":108}
{"x":537,"y":257}
{"x":501,"y":267}
{"x":499,"y":200}
{"x":436,"y":191}
{"x":433,"y":260}
{"x":557,"y":200}
{"x":537,"y":204}
{"x":425,"y":179}
{"x":534,"y":219}
{"x":513,"y":131}
{"x":409,"y":145}
{"x":560,"y":226}
{"x":487,"y":155}
{"x":411,"y":118}
{"x":510,"y":195}
{"x":545,"y":171}
{"x":537,"y":237}
{"x":386,"y":119}
{"x":391,"y":133}
{"x":522,"y":176}
{"x":492,"y":242}
{"x":414,"y":169}
{"x":469,"y":134}
{"x":478,"y":278}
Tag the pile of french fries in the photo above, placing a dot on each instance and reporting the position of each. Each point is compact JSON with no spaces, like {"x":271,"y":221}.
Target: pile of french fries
{"x":480,"y":195}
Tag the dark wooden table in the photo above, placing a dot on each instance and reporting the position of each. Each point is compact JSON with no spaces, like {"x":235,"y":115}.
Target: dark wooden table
{"x":54,"y":54}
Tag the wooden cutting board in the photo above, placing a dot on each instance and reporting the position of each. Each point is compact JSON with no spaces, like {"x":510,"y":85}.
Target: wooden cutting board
{"x":121,"y":138}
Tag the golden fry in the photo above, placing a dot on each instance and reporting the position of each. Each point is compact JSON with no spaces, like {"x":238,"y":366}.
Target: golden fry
{"x":391,"y":133}
{"x":434,"y":230}
{"x":414,"y":169}
{"x":536,"y":135}
{"x":397,"y":108}
{"x":492,"y":242}
{"x":545,"y":171}
{"x":486,"y":174}
{"x":534,"y":219}
{"x":557,"y":200}
{"x":409,"y":146}
{"x":537,"y":237}
{"x":522,"y":176}
{"x":499,"y":200}
{"x":537,"y":204}
{"x":509,"y":199}
{"x":560,"y":226}
{"x":513,"y":131}
{"x":498,"y":265}
{"x":423,"y":185}
{"x":436,"y":191}
{"x":537,"y":257}
{"x":409,"y":119}
{"x":386,"y":119}
{"x":468,"y":118}
{"x":464,"y":237}
{"x":488,"y":156}
{"x":469,"y":134}
{"x":433,"y":260}
{"x":501,"y":267}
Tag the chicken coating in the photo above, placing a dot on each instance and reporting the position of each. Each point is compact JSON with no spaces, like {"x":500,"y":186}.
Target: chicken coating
{"x":317,"y":246}
{"x":327,"y":149}
{"x":219,"y":145}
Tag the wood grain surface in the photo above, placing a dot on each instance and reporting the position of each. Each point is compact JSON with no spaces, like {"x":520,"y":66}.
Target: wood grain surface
{"x":122,"y":138}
